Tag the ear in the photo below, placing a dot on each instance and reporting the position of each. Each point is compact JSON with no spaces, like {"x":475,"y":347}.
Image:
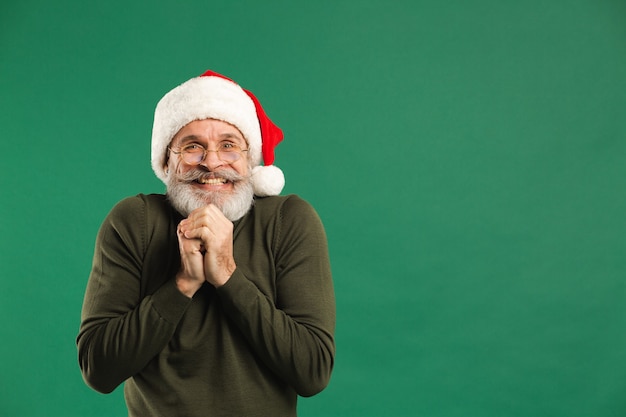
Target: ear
{"x":166,"y":161}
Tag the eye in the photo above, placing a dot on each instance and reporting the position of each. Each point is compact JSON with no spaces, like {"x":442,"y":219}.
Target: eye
{"x":193,"y":148}
{"x":228,"y":146}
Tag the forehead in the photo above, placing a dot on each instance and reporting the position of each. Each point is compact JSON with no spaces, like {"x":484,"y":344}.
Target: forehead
{"x":208,"y":130}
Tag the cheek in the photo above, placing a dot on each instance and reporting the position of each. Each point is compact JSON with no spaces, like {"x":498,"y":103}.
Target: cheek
{"x":242,"y":167}
{"x":179,"y":168}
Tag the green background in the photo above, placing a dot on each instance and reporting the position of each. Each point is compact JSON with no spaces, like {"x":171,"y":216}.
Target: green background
{"x":466,"y":157}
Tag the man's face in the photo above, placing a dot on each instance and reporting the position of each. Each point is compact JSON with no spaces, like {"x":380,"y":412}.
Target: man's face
{"x":194,"y":181}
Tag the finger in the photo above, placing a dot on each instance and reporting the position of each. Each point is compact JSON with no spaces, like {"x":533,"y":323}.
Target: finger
{"x":208,"y":218}
{"x":191,"y":259}
{"x":188,"y":244}
{"x":206,"y":215}
{"x":198,"y":218}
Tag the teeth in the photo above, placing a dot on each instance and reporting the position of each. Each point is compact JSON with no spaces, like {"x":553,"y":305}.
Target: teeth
{"x":212,"y":181}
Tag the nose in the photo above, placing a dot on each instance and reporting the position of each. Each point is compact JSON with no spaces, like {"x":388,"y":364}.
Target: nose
{"x":211,"y":161}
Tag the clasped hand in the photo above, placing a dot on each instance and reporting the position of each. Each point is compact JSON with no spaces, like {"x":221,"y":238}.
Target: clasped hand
{"x":205,"y":240}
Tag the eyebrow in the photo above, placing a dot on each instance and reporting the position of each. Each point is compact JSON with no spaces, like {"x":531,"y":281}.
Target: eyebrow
{"x":224,"y":136}
{"x":189,"y":138}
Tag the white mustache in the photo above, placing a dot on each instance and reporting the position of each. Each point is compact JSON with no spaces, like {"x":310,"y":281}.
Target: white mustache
{"x":197,"y":174}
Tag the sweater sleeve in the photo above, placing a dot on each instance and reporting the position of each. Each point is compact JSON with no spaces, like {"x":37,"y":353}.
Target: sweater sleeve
{"x":294,"y":335}
{"x":120,"y":332}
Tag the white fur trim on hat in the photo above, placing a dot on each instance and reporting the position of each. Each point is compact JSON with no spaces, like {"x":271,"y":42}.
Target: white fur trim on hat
{"x":267,"y":180}
{"x":203,"y":98}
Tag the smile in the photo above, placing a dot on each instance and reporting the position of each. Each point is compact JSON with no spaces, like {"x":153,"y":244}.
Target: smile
{"x":212,"y":181}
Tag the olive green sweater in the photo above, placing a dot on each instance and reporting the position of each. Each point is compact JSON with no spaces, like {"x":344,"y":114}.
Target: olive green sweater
{"x":248,"y":348}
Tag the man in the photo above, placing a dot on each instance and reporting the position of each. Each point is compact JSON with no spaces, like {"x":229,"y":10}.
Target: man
{"x":215,"y":299}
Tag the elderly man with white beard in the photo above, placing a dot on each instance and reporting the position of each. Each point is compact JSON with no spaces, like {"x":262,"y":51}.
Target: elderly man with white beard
{"x":215,"y":299}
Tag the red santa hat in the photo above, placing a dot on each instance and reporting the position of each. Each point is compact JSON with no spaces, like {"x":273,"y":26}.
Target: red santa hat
{"x":214,"y":96}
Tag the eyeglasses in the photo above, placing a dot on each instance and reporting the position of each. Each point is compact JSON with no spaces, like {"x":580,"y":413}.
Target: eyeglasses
{"x":194,"y":154}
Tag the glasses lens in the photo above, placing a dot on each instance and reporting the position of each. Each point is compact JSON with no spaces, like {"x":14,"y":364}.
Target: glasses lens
{"x":193,"y":155}
{"x":229,"y":152}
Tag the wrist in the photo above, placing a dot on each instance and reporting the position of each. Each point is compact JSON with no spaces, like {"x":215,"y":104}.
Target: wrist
{"x":186,"y":286}
{"x":223,"y":279}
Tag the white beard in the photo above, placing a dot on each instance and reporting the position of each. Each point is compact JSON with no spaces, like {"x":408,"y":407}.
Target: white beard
{"x":185,"y":198}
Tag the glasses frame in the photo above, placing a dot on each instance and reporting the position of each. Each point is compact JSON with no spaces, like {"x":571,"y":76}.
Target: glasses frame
{"x":205,"y":152}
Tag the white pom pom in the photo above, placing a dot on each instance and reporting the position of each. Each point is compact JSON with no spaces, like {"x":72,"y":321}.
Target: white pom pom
{"x":267,"y":180}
